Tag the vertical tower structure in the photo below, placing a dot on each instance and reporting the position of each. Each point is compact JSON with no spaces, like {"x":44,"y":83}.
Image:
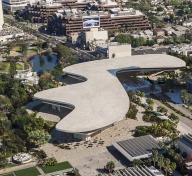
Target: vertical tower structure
{"x":1,"y":16}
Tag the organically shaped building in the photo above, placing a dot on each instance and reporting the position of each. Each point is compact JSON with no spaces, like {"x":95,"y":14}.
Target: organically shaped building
{"x":101,"y":100}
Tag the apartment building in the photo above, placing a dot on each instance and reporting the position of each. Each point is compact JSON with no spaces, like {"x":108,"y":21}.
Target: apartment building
{"x":69,"y":21}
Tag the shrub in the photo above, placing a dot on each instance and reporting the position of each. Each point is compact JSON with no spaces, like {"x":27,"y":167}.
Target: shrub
{"x":132,"y":112}
{"x":49,"y":162}
{"x":161,"y":109}
{"x":41,"y":154}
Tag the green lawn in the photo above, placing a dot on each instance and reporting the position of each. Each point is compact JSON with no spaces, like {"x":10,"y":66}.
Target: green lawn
{"x":10,"y":174}
{"x":16,"y":48}
{"x":4,"y":66}
{"x":31,"y":52}
{"x":32,"y":171}
{"x":57,"y":167}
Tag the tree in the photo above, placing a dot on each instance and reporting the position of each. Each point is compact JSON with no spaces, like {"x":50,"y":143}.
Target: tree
{"x":155,"y":157}
{"x":49,"y":162}
{"x":65,"y":55}
{"x":12,"y":68}
{"x":162,"y":109}
{"x":186,"y":97}
{"x":16,"y":92}
{"x":167,"y":165}
{"x":150,"y":101}
{"x":57,"y":71}
{"x":46,"y":81}
{"x":132,"y":112}
{"x":38,"y":137}
{"x":161,"y":162}
{"x":173,"y":166}
{"x":110,"y":166}
{"x":5,"y":104}
{"x":123,"y":38}
{"x":3,"y":160}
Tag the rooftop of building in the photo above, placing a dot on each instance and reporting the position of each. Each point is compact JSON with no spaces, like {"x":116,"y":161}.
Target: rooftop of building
{"x":187,"y":140}
{"x":137,"y":147}
{"x":114,"y":12}
{"x":101,"y":100}
{"x":136,"y":171}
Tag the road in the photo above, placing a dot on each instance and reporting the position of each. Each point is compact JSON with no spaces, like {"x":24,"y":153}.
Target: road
{"x":187,"y":122}
{"x":181,"y":109}
{"x":83,"y":55}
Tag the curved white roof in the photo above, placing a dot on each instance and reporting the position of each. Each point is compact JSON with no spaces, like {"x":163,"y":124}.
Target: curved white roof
{"x":101,"y":100}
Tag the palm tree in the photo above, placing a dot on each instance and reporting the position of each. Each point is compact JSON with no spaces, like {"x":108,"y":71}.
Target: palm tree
{"x":155,"y":157}
{"x":173,"y":166}
{"x":161,"y":162}
{"x":167,"y":165}
{"x":110,"y":166}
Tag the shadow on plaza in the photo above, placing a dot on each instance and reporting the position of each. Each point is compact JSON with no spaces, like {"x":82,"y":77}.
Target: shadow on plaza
{"x":119,"y":157}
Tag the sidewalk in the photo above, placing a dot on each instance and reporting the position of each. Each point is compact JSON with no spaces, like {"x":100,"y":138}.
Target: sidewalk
{"x":18,"y":167}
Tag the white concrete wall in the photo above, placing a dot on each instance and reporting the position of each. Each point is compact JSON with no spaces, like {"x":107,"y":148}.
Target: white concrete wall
{"x":95,"y":34}
{"x":118,"y":51}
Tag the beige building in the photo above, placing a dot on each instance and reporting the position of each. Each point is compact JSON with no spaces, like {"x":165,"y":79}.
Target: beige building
{"x":96,"y":34}
{"x":116,"y":50}
{"x":96,"y":37}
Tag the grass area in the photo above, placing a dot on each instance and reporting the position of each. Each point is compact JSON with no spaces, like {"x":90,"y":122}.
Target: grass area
{"x":19,"y":66}
{"x":32,"y":171}
{"x":16,"y":49}
{"x":9,"y":174}
{"x":59,"y":166}
{"x":4,"y":66}
{"x":31,"y":52}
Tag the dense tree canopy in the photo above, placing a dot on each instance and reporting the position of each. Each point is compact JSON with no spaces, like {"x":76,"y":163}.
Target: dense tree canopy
{"x":19,"y":130}
{"x":66,"y":56}
{"x":135,"y":42}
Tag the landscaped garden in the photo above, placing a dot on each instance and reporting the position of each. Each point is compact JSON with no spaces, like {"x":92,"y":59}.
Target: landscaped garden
{"x":10,"y":174}
{"x":27,"y":172}
{"x":5,"y":66}
{"x":57,"y":167}
{"x":31,"y":52}
{"x":50,"y":165}
{"x":32,"y":171}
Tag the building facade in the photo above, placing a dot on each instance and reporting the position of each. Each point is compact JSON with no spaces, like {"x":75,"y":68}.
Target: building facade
{"x":39,"y":13}
{"x":71,"y":21}
{"x":14,"y":5}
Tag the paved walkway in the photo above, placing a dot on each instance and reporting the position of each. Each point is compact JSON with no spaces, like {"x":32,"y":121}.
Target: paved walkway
{"x":18,"y":167}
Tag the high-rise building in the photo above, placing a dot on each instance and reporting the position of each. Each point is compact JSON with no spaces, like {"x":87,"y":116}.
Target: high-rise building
{"x":14,"y":5}
{"x":1,"y":15}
